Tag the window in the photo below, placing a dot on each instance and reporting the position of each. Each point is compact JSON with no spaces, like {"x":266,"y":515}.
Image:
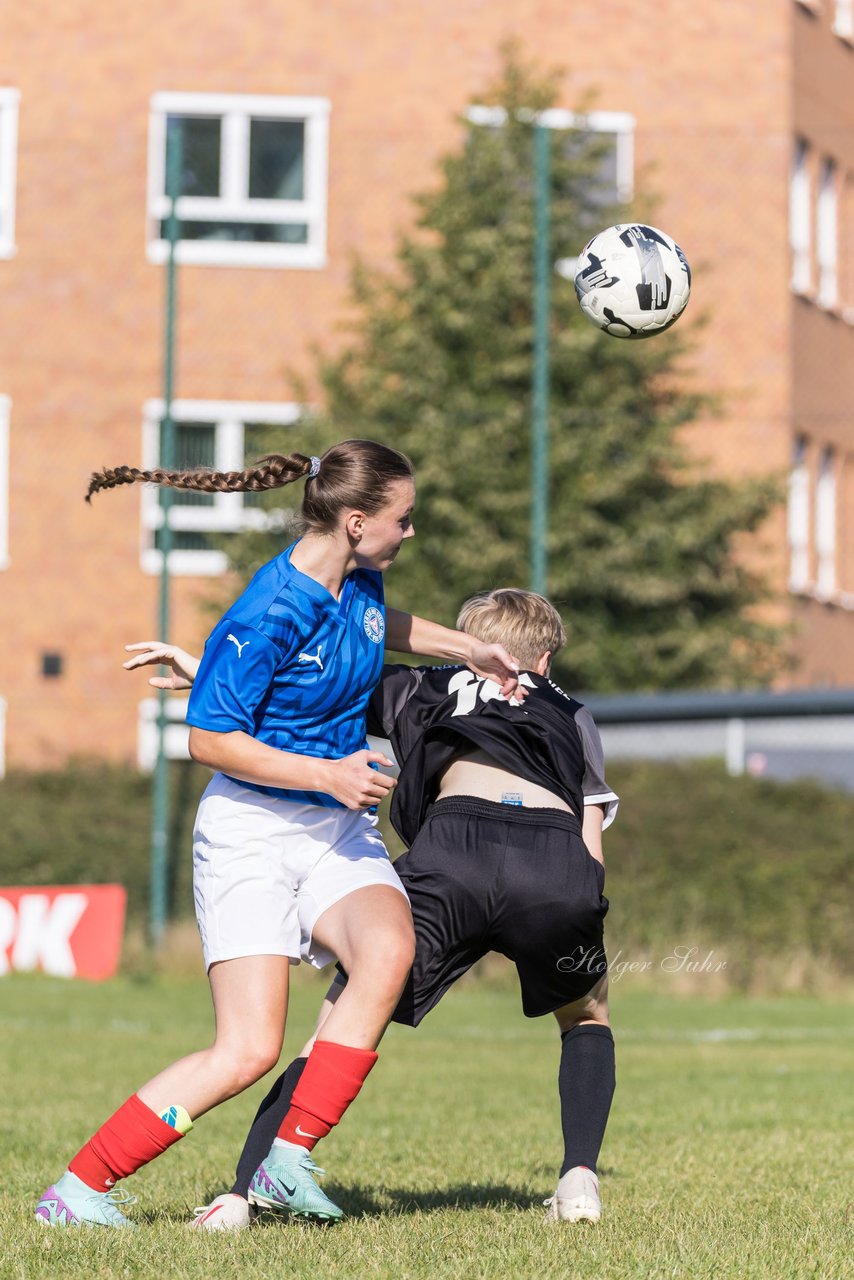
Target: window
{"x":825,"y":525}
{"x":843,"y":19}
{"x":614,"y":182}
{"x":799,"y":518}
{"x":218,"y":434}
{"x":176,"y":734}
{"x":8,"y":161}
{"x":253,"y":179}
{"x":800,"y":217}
{"x":827,"y":236}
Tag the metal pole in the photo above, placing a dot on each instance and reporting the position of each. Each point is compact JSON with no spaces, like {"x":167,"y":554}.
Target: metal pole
{"x":540,"y":397}
{"x":160,"y":797}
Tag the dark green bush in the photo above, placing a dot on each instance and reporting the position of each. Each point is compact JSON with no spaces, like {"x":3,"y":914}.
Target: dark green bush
{"x":91,"y":823}
{"x":758,"y":870}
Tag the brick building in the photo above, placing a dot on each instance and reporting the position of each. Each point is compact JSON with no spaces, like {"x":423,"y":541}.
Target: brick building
{"x":307,"y":130}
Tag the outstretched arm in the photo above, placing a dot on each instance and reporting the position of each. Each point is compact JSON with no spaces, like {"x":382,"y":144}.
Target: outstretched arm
{"x":406,"y":633}
{"x":156,"y":653}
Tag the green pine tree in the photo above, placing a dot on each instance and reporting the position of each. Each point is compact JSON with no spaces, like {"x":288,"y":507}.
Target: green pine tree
{"x":641,"y":543}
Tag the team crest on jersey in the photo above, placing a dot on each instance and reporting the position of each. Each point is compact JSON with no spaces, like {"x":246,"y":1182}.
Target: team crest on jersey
{"x":374,"y":624}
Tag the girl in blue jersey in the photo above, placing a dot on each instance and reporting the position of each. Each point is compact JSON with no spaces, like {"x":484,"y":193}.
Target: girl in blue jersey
{"x":288,"y":863}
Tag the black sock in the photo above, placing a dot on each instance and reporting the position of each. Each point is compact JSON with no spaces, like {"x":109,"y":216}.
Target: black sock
{"x":265,"y":1126}
{"x":586,"y":1083}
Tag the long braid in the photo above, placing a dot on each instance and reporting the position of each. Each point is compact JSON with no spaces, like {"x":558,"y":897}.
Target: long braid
{"x":271,"y":472}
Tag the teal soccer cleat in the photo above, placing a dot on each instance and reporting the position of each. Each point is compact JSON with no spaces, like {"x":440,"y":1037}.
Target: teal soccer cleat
{"x":71,"y":1203}
{"x":284,"y":1181}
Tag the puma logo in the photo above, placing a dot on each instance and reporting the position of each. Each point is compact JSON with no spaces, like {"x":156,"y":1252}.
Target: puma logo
{"x":312,"y":657}
{"x":240,"y":647}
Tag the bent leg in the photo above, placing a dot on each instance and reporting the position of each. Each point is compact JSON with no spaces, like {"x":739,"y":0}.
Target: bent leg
{"x":586,"y":1078}
{"x":371,"y":933}
{"x":250,"y":1001}
{"x":276,"y":1104}
{"x":250,"y":997}
{"x":370,"y":930}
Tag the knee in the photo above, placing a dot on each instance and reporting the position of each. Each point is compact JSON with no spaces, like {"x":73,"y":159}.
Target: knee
{"x":243,"y":1065}
{"x":399,"y":954}
{"x":386,"y":967}
{"x":590,"y":1008}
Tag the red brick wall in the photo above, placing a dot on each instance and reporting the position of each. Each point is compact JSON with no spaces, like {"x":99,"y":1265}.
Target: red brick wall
{"x":711,"y":87}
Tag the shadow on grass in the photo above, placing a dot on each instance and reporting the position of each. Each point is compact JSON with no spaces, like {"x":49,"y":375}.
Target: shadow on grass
{"x":381,"y":1202}
{"x":363,"y":1202}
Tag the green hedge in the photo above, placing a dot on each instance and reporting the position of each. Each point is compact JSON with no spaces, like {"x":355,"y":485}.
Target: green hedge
{"x":759,"y":871}
{"x":91,"y":823}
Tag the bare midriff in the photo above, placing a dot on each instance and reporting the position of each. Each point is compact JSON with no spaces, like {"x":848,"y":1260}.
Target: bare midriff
{"x":478,"y":774}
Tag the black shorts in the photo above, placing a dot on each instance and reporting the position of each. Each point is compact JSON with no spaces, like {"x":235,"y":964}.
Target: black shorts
{"x":492,"y":877}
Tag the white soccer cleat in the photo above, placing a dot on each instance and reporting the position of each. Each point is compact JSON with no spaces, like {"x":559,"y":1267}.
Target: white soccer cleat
{"x":227,"y":1212}
{"x":576,"y":1198}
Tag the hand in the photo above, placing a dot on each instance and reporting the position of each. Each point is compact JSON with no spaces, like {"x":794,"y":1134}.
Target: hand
{"x":153,"y":652}
{"x":494,"y":663}
{"x":355,"y":783}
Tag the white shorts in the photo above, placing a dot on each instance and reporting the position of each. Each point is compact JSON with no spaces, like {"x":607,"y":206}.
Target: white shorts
{"x":265,"y":869}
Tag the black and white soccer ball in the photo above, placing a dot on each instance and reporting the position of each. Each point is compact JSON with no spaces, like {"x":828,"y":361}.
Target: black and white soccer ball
{"x":633,"y":281}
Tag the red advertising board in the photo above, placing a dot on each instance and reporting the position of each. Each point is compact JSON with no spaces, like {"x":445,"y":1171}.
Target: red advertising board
{"x":70,"y":931}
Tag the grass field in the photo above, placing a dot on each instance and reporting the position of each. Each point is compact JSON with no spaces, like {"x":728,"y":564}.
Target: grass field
{"x":729,"y":1152}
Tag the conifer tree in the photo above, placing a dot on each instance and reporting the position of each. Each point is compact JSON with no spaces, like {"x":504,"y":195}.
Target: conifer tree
{"x":641,"y":542}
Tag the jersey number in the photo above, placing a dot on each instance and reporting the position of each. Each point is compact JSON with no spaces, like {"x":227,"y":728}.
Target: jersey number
{"x":471,"y":689}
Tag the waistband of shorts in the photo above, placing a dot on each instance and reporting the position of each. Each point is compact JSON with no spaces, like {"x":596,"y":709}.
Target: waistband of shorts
{"x":474,"y":807}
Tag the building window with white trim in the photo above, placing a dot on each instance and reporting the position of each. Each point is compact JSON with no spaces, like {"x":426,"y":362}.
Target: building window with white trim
{"x":825,"y":526}
{"x":843,"y":19}
{"x":799,"y":518}
{"x":226,"y":436}
{"x":827,"y":236}
{"x":800,"y":218}
{"x":253,"y":187}
{"x":612,"y":182}
{"x":9,"y":99}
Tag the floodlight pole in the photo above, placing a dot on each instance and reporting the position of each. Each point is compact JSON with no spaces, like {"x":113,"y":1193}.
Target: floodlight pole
{"x":160,"y":796}
{"x":540,"y":390}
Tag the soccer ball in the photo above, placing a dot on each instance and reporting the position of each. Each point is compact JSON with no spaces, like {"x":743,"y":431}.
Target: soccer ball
{"x":633,"y":281}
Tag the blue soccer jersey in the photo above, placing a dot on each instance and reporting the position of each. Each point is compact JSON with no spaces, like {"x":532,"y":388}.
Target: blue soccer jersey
{"x":294,"y":667}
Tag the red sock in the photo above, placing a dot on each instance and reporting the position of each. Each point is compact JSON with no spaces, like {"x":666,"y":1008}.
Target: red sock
{"x":131,"y":1137}
{"x":332,"y":1078}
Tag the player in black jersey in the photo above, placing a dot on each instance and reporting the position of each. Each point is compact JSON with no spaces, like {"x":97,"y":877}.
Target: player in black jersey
{"x":503,"y":804}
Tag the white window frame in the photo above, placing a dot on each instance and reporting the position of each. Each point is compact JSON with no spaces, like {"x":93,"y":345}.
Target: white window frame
{"x":176,"y":735}
{"x":9,"y":99}
{"x":233,"y":204}
{"x":621,"y":123}
{"x":826,"y":584}
{"x":827,"y":235}
{"x":843,"y":19}
{"x":800,"y":218}
{"x":798,"y":518}
{"x":227,"y":514}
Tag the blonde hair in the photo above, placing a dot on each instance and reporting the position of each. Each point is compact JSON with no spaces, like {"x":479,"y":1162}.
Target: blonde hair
{"x":524,"y":622}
